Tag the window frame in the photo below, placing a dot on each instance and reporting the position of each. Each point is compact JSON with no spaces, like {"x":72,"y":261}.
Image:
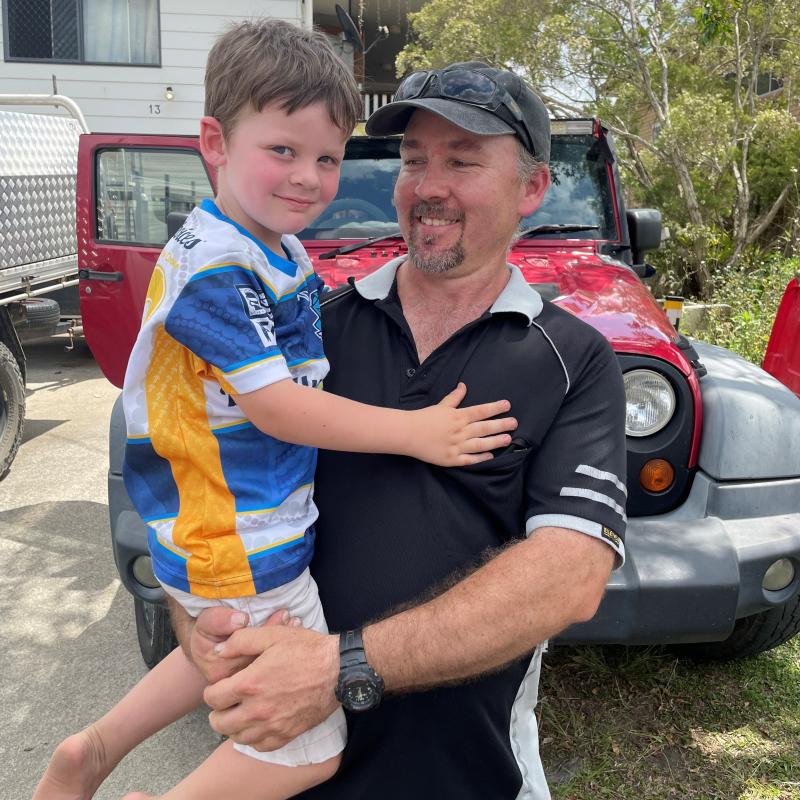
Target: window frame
{"x":81,"y":60}
{"x":97,"y":155}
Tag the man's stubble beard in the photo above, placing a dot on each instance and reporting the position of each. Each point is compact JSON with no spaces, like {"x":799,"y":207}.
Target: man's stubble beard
{"x":435,"y":263}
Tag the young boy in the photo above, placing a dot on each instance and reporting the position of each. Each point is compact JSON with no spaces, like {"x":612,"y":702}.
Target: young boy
{"x":223,"y":409}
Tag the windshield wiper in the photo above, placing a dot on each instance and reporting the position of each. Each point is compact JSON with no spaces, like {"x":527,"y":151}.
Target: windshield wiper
{"x":538,"y":230}
{"x":350,"y":248}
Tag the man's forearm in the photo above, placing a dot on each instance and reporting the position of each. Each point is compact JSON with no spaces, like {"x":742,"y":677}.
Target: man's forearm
{"x":523,"y":596}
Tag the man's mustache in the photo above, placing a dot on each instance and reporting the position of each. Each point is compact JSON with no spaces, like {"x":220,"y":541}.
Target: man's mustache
{"x":435,"y":211}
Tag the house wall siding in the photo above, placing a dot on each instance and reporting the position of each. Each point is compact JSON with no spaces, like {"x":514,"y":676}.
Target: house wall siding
{"x":117,"y":99}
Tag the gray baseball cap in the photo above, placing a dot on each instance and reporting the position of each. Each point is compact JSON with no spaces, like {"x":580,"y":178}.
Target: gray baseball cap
{"x":473,"y":96}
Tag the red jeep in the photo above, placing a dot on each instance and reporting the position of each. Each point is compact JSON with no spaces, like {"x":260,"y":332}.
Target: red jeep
{"x":713,"y":543}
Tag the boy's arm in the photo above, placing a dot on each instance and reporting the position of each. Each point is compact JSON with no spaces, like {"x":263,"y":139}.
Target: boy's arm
{"x":442,"y":434}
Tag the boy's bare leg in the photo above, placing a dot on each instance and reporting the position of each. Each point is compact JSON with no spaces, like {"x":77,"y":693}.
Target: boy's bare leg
{"x":227,"y":773}
{"x":172,"y":689}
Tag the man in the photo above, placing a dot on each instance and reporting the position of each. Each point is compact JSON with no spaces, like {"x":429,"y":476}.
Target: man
{"x":468,"y":571}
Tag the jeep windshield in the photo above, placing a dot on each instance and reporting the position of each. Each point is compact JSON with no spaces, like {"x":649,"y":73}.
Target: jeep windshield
{"x":580,"y":194}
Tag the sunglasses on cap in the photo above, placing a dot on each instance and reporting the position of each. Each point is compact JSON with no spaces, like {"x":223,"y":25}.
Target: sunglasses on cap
{"x":471,"y":87}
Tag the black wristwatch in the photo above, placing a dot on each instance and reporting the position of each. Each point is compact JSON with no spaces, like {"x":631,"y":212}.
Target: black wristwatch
{"x":360,"y":688}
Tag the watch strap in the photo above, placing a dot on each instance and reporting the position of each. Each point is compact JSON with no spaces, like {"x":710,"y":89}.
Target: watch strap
{"x":351,"y":649}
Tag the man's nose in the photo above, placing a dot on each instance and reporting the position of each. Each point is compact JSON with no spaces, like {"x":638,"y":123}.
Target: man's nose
{"x":432,"y":183}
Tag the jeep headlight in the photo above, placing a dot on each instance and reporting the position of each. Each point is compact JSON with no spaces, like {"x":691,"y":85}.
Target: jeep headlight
{"x":649,"y":402}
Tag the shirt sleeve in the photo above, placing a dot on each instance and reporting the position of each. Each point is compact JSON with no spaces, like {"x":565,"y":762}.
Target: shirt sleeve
{"x":577,"y":478}
{"x":224,"y":316}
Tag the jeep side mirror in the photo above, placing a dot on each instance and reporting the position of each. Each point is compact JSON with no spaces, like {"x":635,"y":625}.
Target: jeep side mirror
{"x":175,"y":220}
{"x":644,"y":228}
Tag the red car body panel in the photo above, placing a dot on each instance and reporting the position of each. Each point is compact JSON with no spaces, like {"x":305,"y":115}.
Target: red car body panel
{"x":782,"y":359}
{"x":112,"y":308}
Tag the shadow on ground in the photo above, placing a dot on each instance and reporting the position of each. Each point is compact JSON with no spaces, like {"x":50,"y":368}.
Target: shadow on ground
{"x":70,"y":650}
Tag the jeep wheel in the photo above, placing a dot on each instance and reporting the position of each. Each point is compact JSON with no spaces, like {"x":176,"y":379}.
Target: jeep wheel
{"x":12,"y":409}
{"x":154,"y":630}
{"x":752,"y":635}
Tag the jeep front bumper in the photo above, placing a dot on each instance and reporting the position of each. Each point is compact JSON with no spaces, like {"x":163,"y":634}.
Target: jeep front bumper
{"x":690,"y":574}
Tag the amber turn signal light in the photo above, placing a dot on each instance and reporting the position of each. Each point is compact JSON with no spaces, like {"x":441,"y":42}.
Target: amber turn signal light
{"x":657,"y":475}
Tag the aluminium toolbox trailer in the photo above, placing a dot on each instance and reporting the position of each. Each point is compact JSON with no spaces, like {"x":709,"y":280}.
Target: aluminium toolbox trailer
{"x":38,"y":245}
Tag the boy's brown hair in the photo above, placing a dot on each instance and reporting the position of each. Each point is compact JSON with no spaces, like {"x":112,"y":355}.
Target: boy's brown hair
{"x":268,"y":60}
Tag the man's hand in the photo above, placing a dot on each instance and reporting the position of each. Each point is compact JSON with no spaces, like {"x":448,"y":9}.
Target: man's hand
{"x":214,"y":626}
{"x":286,"y":690}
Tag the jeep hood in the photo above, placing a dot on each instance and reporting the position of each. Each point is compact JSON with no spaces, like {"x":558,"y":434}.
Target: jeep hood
{"x":603,"y":292}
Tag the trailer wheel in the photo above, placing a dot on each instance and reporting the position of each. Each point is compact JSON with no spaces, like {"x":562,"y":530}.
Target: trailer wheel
{"x":751,"y":635}
{"x":12,"y":408}
{"x":154,"y":631}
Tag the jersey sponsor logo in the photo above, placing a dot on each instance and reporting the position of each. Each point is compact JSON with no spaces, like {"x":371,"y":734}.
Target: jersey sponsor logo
{"x":186,"y":238}
{"x":612,"y":537}
{"x":312,"y":299}
{"x":256,"y":306}
{"x":156,"y":291}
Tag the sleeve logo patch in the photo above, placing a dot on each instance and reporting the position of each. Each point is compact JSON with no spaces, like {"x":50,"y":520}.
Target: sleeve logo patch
{"x":612,"y":537}
{"x":256,"y":306}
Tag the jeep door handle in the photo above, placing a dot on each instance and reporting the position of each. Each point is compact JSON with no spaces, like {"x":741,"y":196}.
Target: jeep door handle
{"x":98,"y":275}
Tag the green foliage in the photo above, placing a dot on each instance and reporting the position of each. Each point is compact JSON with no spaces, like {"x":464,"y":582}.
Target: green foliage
{"x":748,"y":296}
{"x":676,"y":82}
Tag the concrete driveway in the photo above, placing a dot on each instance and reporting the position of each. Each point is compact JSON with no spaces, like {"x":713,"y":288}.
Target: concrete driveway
{"x":69,"y":639}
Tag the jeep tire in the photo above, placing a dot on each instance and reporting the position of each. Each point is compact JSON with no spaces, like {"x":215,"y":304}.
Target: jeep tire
{"x":12,"y":408}
{"x":154,"y":630}
{"x":751,"y":635}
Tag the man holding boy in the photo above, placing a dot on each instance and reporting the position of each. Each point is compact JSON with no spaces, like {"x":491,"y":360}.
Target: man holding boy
{"x":467,"y":571}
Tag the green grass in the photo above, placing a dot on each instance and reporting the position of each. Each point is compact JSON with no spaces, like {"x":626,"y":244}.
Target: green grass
{"x":640,"y":723}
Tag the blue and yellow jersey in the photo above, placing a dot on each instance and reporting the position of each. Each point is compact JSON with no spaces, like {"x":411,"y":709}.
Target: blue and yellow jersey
{"x":229,"y":510}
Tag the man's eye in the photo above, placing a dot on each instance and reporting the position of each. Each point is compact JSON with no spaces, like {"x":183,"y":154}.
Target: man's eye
{"x":411,"y":162}
{"x":457,"y":163}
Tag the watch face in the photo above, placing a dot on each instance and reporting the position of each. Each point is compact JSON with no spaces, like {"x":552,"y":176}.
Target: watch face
{"x":359,"y":695}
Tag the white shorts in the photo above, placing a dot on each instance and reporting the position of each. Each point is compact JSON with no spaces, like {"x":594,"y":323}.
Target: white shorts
{"x":301,"y":598}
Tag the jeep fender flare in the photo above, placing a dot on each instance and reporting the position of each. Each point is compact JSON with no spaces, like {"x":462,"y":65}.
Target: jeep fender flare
{"x":748,"y":419}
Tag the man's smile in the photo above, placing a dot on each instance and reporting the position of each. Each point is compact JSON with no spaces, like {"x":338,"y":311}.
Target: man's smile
{"x":436,"y":222}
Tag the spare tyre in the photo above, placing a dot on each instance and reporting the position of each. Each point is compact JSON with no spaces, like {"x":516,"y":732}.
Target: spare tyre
{"x":12,"y":408}
{"x":40,"y":318}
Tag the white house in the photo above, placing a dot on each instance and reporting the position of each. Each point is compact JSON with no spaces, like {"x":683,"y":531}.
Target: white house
{"x":137,"y":66}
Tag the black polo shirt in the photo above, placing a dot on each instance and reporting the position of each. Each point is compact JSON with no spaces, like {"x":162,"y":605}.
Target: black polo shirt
{"x":392,"y":529}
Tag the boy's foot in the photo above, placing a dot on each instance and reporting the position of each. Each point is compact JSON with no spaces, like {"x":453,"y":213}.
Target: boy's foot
{"x":77,"y":767}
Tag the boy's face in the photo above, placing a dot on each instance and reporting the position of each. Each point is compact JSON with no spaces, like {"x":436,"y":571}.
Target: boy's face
{"x":277,"y":171}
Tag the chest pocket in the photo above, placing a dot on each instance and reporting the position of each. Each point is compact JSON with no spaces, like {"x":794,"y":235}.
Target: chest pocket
{"x":499,"y":481}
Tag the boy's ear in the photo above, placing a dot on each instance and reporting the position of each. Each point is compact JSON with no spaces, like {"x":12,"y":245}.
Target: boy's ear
{"x":212,"y":141}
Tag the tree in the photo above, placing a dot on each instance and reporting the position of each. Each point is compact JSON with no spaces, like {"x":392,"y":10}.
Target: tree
{"x":678,"y":82}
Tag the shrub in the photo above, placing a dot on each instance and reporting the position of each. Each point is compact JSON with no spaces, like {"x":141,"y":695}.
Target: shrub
{"x":752,"y":291}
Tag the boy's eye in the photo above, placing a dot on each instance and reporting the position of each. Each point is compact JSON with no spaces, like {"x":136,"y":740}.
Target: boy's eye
{"x":329,"y":160}
{"x":282,"y":150}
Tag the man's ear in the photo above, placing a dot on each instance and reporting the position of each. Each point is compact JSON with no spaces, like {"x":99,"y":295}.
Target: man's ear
{"x":534,"y":191}
{"x":212,"y":141}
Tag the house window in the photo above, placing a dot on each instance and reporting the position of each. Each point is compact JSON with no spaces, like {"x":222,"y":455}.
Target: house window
{"x":767,"y":83}
{"x":83,"y":31}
